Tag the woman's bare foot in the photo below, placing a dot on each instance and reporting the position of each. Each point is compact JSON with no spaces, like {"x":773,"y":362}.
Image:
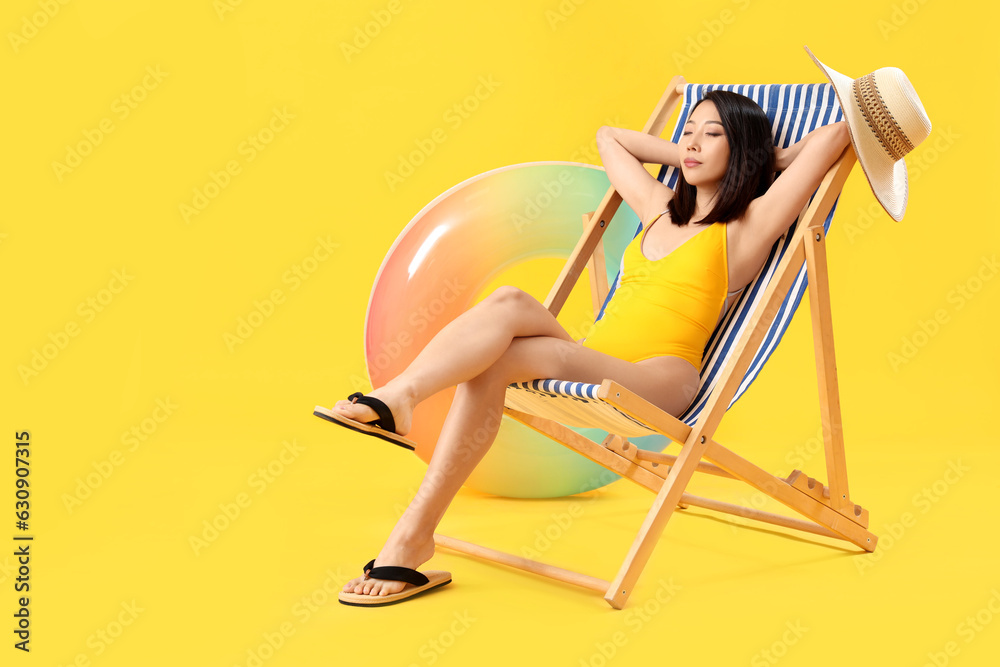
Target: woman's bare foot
{"x":399,"y":402}
{"x":411,"y":554}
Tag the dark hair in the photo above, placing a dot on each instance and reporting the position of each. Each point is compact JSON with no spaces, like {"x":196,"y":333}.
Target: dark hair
{"x":750,"y":171}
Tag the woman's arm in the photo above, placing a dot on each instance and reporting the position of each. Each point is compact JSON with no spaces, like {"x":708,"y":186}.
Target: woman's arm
{"x":769,"y":215}
{"x":646,"y":148}
{"x":644,"y":194}
{"x":655,"y":150}
{"x":785,"y":156}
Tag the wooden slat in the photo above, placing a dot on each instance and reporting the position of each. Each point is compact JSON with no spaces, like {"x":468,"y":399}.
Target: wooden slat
{"x":758,"y":515}
{"x":598,"y":272}
{"x":670,"y":459}
{"x":592,"y":450}
{"x":526,"y":564}
{"x":600,"y":585}
{"x":627,"y":449}
{"x":642,"y":410}
{"x":785,"y":494}
{"x":621,"y":447}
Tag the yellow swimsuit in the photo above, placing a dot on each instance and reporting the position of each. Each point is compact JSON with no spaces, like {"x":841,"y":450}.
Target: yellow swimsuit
{"x":667,"y":307}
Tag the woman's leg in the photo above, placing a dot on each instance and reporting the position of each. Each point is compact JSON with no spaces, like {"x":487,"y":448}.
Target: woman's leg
{"x":474,"y":419}
{"x":466,"y":436}
{"x":464,"y":348}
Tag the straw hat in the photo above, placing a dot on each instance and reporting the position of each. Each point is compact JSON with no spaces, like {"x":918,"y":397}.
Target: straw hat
{"x":886,"y":121}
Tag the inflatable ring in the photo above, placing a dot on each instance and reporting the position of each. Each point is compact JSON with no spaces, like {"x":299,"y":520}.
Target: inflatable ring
{"x":443,"y":263}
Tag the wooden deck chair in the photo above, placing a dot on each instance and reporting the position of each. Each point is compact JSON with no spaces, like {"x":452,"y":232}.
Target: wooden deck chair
{"x":733,"y":357}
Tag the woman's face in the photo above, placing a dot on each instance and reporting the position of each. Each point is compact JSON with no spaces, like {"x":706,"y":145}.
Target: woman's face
{"x":704,"y":147}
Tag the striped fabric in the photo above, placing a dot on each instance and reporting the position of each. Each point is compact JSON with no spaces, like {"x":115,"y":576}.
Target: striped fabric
{"x":794,"y":111}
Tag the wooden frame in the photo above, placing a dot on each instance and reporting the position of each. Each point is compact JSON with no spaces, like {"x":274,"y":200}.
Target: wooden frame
{"x":827,"y":508}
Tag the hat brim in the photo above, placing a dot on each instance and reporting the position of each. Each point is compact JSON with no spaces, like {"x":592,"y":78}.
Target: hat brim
{"x":887,"y":177}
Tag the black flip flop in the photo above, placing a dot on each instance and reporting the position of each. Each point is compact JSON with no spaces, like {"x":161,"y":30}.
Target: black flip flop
{"x":420,"y":582}
{"x":384,"y":427}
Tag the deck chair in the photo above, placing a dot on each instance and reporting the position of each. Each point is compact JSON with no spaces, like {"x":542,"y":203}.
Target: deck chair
{"x":733,"y":357}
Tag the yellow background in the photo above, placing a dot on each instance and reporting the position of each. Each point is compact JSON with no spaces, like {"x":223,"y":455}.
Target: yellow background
{"x":564,"y":69}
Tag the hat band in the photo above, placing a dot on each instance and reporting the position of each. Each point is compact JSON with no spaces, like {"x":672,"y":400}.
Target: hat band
{"x":881,"y":122}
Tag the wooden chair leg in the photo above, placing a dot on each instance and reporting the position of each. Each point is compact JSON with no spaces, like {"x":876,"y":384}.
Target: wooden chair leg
{"x":826,"y":369}
{"x":656,"y":520}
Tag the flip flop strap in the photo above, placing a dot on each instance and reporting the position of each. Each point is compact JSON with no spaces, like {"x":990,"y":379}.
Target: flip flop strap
{"x":385,"y":420}
{"x":395,"y":573}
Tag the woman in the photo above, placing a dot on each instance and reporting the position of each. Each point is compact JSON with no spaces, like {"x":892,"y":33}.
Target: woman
{"x":724,"y":195}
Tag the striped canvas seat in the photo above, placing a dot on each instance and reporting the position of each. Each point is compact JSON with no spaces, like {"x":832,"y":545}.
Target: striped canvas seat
{"x":794,"y":111}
